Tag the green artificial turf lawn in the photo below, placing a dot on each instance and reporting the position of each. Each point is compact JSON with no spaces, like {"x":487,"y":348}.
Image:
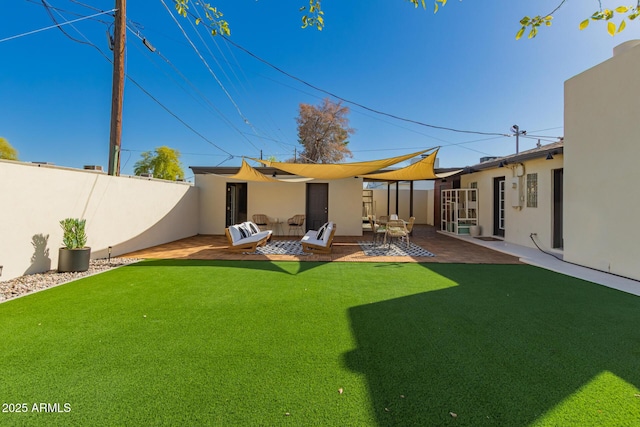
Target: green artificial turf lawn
{"x":287,"y":343}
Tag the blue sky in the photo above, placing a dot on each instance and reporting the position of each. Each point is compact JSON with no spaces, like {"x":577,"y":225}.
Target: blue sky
{"x":461,"y":68}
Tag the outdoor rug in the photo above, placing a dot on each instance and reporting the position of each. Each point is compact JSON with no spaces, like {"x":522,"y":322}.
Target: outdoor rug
{"x":281,"y":247}
{"x":394,"y":249}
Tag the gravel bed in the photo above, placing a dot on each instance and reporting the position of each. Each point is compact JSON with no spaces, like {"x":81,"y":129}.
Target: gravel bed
{"x":34,"y":282}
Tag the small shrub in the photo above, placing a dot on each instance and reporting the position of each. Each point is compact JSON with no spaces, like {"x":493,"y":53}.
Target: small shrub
{"x":74,"y":236}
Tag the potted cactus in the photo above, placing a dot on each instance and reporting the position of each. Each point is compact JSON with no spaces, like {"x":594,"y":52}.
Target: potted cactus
{"x":74,"y":256}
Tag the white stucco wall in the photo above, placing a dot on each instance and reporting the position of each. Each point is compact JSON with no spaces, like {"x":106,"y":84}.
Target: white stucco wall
{"x":126,"y":213}
{"x":280,"y":200}
{"x":602,"y":129}
{"x":422,"y":204}
{"x":519,"y":222}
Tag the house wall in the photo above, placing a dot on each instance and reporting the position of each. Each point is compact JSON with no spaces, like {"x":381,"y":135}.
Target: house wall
{"x":126,"y":213}
{"x":422,"y":203}
{"x":519,"y":222}
{"x":601,"y":169}
{"x":282,"y":201}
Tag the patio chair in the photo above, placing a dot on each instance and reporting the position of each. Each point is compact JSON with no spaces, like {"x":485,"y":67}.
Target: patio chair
{"x":383,"y":219}
{"x":295,"y":223}
{"x":409,"y":228}
{"x":262,"y":221}
{"x":396,"y":229}
{"x":376,"y":229}
{"x":319,"y":242}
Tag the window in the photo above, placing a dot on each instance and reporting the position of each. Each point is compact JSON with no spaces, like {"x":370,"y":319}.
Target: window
{"x":532,"y":190}
{"x":474,"y":194}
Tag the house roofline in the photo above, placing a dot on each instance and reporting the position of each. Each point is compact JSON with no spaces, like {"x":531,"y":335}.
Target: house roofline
{"x":556,"y":148}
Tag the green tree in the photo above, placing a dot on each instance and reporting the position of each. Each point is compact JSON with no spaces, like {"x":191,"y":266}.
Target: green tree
{"x":602,"y":14}
{"x":313,"y":16}
{"x":323,"y":131}
{"x":163,"y":163}
{"x":7,"y":152}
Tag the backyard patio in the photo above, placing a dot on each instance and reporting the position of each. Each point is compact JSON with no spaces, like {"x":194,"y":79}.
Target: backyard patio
{"x":345,"y":248}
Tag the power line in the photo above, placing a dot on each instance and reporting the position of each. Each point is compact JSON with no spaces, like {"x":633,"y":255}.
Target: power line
{"x":393,"y":116}
{"x":194,"y":87}
{"x":57,"y":25}
{"x":209,"y":68}
{"x":88,"y":42}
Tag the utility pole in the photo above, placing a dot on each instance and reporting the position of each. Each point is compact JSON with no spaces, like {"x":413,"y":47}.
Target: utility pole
{"x":516,"y":129}
{"x":117,"y":88}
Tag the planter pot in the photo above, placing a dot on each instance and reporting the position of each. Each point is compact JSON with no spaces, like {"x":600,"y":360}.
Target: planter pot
{"x":474,"y":230}
{"x":73,"y":260}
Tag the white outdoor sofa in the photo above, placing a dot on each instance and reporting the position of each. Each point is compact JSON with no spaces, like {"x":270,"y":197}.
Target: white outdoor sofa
{"x":246,"y":237}
{"x":319,"y":242}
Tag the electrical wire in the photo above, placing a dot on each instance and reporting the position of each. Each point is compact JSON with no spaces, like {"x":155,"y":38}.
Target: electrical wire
{"x":255,"y":101}
{"x":393,"y":116}
{"x":60,"y":10}
{"x":207,"y":66}
{"x":348,"y":101}
{"x":188,"y":82}
{"x":57,"y":25}
{"x":573,"y":263}
{"x":88,"y":42}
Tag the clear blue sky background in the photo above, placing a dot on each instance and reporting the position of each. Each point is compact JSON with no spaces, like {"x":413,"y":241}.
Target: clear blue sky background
{"x":461,"y":68}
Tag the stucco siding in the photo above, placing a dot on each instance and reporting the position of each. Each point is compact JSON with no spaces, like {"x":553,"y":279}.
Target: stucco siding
{"x":281,"y":201}
{"x":601,"y":166}
{"x":521,"y":221}
{"x":422,"y":204}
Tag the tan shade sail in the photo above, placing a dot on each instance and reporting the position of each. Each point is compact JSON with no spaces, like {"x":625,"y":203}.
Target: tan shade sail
{"x":247,"y":173}
{"x":337,"y":170}
{"x":422,"y":170}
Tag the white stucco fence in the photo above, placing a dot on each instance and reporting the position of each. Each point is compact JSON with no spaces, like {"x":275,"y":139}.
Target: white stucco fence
{"x":126,"y":213}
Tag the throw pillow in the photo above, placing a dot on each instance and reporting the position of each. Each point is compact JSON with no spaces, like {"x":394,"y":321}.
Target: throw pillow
{"x":321,"y":232}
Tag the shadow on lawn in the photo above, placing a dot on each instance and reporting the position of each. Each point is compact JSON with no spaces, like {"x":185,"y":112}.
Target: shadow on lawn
{"x":495,"y":350}
{"x":287,"y":267}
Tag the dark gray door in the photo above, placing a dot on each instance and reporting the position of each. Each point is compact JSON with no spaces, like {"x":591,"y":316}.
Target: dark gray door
{"x":558,"y":175}
{"x":317,"y":206}
{"x":498,"y":206}
{"x":236,"y":203}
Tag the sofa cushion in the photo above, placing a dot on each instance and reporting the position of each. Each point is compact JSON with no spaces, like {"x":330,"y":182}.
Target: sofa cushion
{"x":310,"y":238}
{"x":234,"y":232}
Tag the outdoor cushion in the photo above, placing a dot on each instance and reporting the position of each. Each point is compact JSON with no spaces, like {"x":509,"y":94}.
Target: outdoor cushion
{"x":310,"y":237}
{"x":235,"y":233}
